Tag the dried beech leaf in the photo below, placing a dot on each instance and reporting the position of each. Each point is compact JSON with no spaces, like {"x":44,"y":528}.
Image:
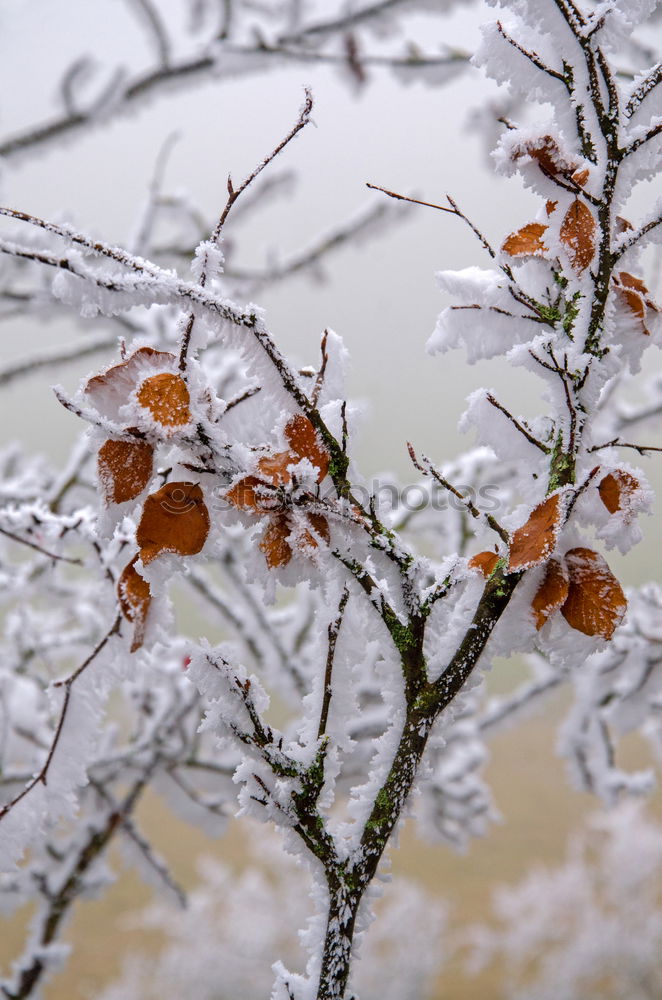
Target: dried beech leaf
{"x":275,"y":544}
{"x":551,"y":593}
{"x":581,"y":176}
{"x":167,"y":398}
{"x":274,"y":467}
{"x":622,"y":225}
{"x":634,"y":294}
{"x":550,"y":206}
{"x":320,"y":526}
{"x":630,"y":281}
{"x":116,"y":385}
{"x":174,"y":519}
{"x":548,"y":156}
{"x":596,"y":603}
{"x":304,"y":442}
{"x":245,"y":494}
{"x":616,"y":487}
{"x":578,"y":234}
{"x":125,"y":468}
{"x":534,"y":541}
{"x":485,"y":562}
{"x":135,"y":598}
{"x":634,"y":301}
{"x":526,"y":242}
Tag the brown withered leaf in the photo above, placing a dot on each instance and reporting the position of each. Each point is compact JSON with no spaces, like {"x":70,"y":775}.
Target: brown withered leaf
{"x":622,"y":225}
{"x":485,"y":562}
{"x":581,"y":176}
{"x":120,"y":380}
{"x":535,"y":540}
{"x":635,"y":302}
{"x":630,"y":281}
{"x":632,"y":291}
{"x":550,"y":206}
{"x":548,"y":156}
{"x":274,"y":467}
{"x":125,"y":468}
{"x":304,"y":442}
{"x":174,"y":519}
{"x":635,"y":295}
{"x":551,"y":593}
{"x":275,"y":544}
{"x":616,"y":487}
{"x":246,"y":493}
{"x":526,"y":242}
{"x":134,"y":598}
{"x":578,"y":234}
{"x":320,"y":526}
{"x":166,"y":397}
{"x":595,"y":604}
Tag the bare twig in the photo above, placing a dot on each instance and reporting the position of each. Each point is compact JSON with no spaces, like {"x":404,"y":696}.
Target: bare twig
{"x":38,"y":548}
{"x":51,"y":359}
{"x":640,"y":93}
{"x":233,"y":194}
{"x":632,"y":240}
{"x":156,"y":29}
{"x":427,"y":468}
{"x":42,"y":775}
{"x":140,"y":241}
{"x":319,"y":381}
{"x":533,"y":57}
{"x":332,"y":638}
{"x":236,"y":400}
{"x":412,"y":201}
{"x":527,"y":434}
{"x":616,"y":443}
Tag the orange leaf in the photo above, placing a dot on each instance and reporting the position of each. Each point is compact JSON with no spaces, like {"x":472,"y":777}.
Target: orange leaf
{"x":634,"y":301}
{"x":120,"y":380}
{"x":274,"y":544}
{"x":125,"y":468}
{"x":526,"y":242}
{"x":551,"y":593}
{"x":622,"y":225}
{"x":320,"y":526}
{"x":274,"y":467}
{"x":596,"y":603}
{"x":578,"y":234}
{"x":245,"y":495}
{"x":304,"y":442}
{"x":630,"y":281}
{"x":534,"y":541}
{"x":550,"y":206}
{"x":615,"y":487}
{"x":548,"y":156}
{"x":135,"y":598}
{"x":635,"y":295}
{"x":581,"y":176}
{"x":174,"y":519}
{"x":167,"y":398}
{"x":485,"y":562}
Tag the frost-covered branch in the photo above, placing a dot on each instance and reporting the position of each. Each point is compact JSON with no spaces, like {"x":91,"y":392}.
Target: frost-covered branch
{"x":215,"y":459}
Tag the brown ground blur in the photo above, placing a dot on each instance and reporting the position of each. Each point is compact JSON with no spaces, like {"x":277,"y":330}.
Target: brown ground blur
{"x":531,"y":792}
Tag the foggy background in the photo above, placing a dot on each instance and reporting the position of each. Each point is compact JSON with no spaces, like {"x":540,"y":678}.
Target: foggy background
{"x":380,"y":296}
